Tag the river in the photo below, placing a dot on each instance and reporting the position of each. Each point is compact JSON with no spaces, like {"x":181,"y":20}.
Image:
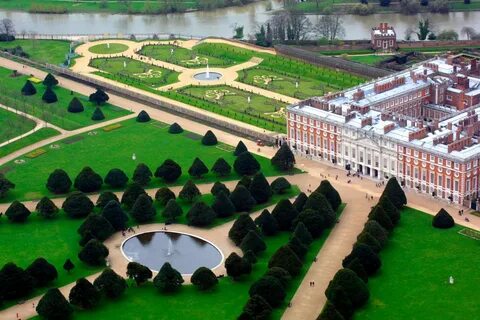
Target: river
{"x":216,"y":23}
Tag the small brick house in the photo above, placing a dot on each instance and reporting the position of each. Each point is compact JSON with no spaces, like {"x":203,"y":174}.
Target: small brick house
{"x":384,"y":37}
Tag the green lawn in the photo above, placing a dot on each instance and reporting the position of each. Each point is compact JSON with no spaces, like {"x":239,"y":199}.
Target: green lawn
{"x":184,"y":57}
{"x":150,"y":142}
{"x":39,"y":135}
{"x":134,"y":72}
{"x":110,"y":48}
{"x":283,"y":82}
{"x":416,"y":266}
{"x":55,"y":240}
{"x":45,"y":51}
{"x":370,"y":60}
{"x":55,"y":113}
{"x":226,"y":301}
{"x":12,"y":125}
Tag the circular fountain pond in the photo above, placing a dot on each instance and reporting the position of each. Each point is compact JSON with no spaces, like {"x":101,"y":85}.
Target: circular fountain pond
{"x":184,"y":252}
{"x":207,"y":76}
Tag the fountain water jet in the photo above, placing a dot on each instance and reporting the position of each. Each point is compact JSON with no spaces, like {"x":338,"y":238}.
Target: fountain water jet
{"x":207,"y":75}
{"x":170,"y":247}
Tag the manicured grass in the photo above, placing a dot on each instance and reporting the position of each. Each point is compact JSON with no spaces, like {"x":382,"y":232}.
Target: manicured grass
{"x":12,"y":125}
{"x":111,"y":48}
{"x":39,"y":135}
{"x":416,"y":266}
{"x":370,"y":60}
{"x":55,"y":113}
{"x":132,"y":72}
{"x":150,"y":142}
{"x":55,"y":240}
{"x":283,"y":82}
{"x":226,"y":301}
{"x":45,"y":51}
{"x":184,"y":57}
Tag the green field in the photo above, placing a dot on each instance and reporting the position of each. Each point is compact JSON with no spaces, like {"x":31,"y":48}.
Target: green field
{"x":283,"y":83}
{"x":55,"y":113}
{"x":110,"y":48}
{"x":12,"y":125}
{"x":370,"y":60}
{"x":416,"y":266}
{"x":150,"y":142}
{"x":134,"y":72}
{"x":39,"y":135}
{"x":44,"y":51}
{"x":184,"y":57}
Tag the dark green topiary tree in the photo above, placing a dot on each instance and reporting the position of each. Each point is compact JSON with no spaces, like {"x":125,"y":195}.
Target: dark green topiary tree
{"x":200,"y":215}
{"x":317,"y":201}
{"x":59,"y":182}
{"x":367,"y":239}
{"x":367,"y":257}
{"x":143,"y":116}
{"x":14,"y":282}
{"x":240,"y":148}
{"x":131,"y":194}
{"x":75,"y":106}
{"x":245,"y":181}
{"x":5,"y":185}
{"x":98,"y":114}
{"x":219,"y":187}
{"x":280,"y":185}
{"x":377,"y":231}
{"x":77,"y":205}
{"x":189,"y":192}
{"x":138,"y":272}
{"x":143,"y":209}
{"x":298,"y":247}
{"x":260,"y":188}
{"x":256,"y":308}
{"x":110,"y":284}
{"x":99,"y":97}
{"x":330,"y":193}
{"x":237,"y":266}
{"x":250,"y":257}
{"x":286,"y":259}
{"x":285,"y":214}
{"x":68,"y":265}
{"x":105,"y":197}
{"x":355,"y":289}
{"x":209,"y":139}
{"x":84,"y":295}
{"x":114,"y":214}
{"x":28,"y":89}
{"x":379,"y":215}
{"x":95,"y":227}
{"x":175,"y":128}
{"x":142,"y":174}
{"x":49,"y":96}
{"x":395,"y":193}
{"x":198,"y":168}
{"x":270,"y":289}
{"x":300,"y":201}
{"x":50,"y":80}
{"x":221,"y":168}
{"x":168,"y":279}
{"x":246,"y":164}
{"x":329,"y":312}
{"x":204,"y":279}
{"x":94,"y":253}
{"x":281,"y":274}
{"x":242,"y":225}
{"x":46,"y":208}
{"x":283,"y":159}
{"x":443,"y":220}
{"x":242,"y":199}
{"x":223,"y":206}
{"x":172,"y":211}
{"x":54,"y":306}
{"x":88,"y":180}
{"x":116,"y":178}
{"x":392,"y":212}
{"x":169,"y":171}
{"x":312,"y":219}
{"x":267,"y":223}
{"x":252,"y":242}
{"x":42,"y":272}
{"x":17,"y":212}
{"x":301,"y":232}
{"x":356,"y":266}
{"x":163,"y":195}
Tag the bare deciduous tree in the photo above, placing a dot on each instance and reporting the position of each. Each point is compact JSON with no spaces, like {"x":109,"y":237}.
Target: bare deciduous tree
{"x":7,"y":27}
{"x":330,"y":27}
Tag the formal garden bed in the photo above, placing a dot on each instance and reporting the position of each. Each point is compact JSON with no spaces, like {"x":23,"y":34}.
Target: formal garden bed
{"x":108,"y":48}
{"x":37,"y":136}
{"x":13,"y":125}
